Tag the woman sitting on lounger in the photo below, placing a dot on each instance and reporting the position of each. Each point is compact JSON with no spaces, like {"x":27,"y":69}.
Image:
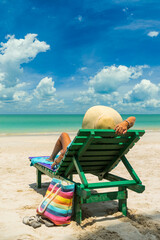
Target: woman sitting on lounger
{"x":97,"y":117}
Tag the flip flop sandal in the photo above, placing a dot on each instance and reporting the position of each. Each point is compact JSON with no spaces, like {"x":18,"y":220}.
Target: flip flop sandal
{"x":35,"y":224}
{"x":27,"y":219}
{"x":45,"y":221}
{"x":31,"y":221}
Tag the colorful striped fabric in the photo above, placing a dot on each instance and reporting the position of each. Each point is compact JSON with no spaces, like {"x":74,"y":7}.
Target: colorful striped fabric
{"x":59,"y":209}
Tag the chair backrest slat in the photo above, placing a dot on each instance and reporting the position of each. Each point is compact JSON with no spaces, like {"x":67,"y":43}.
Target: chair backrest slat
{"x":101,"y":153}
{"x":100,"y":146}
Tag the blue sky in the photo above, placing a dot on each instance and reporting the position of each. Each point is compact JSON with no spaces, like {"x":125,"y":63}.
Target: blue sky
{"x":64,"y":56}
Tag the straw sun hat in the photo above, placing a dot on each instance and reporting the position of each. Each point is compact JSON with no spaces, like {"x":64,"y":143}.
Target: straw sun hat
{"x":101,"y":117}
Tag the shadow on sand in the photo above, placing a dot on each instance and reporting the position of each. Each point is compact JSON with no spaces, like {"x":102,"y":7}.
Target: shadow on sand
{"x":41,"y":190}
{"x":98,"y":212}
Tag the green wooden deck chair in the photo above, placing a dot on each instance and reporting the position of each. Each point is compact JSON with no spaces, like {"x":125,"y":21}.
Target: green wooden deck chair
{"x":97,"y":152}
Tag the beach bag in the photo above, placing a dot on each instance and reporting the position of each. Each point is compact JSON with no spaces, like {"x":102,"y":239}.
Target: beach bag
{"x":57,"y":203}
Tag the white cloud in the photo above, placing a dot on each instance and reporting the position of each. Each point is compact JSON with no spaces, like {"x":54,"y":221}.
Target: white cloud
{"x":140,"y":24}
{"x":90,"y":98}
{"x":153,"y":34}
{"x":108,"y":87}
{"x":125,"y":9}
{"x":152,"y":103}
{"x":45,"y":89}
{"x":22,"y":85}
{"x":86,"y":97}
{"x":83,"y":68}
{"x":138,"y":107}
{"x":143,"y":91}
{"x":15,"y":93}
{"x":79,"y":18}
{"x":111,"y":98}
{"x":14,"y":53}
{"x":109,"y":79}
{"x":20,"y":96}
{"x":21,"y":50}
{"x":45,"y":92}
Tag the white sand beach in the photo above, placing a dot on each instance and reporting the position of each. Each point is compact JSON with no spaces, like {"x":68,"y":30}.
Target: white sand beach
{"x":19,"y":196}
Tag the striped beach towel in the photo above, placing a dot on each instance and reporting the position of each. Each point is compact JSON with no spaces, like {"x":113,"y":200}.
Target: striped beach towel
{"x":57,"y":203}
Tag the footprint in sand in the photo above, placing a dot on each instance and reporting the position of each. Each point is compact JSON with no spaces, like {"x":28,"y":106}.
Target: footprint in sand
{"x":26,"y":237}
{"x":144,"y":224}
{"x":28,"y":207}
{"x":99,"y":233}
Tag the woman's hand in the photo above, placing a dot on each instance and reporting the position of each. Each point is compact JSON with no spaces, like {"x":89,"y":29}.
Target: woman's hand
{"x":53,"y":164}
{"x":57,"y":160}
{"x":121,"y":128}
{"x":49,"y":159}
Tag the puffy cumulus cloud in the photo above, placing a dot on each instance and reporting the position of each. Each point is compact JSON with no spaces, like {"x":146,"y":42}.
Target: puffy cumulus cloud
{"x":43,"y":95}
{"x":109,"y":79}
{"x":14,"y":94}
{"x":21,"y":96}
{"x":125,"y":108}
{"x":90,"y":97}
{"x":45,"y":92}
{"x":87,"y":97}
{"x":105,"y":89}
{"x":45,"y":89}
{"x":144,"y":97}
{"x":14,"y":53}
{"x":152,"y":103}
{"x":21,"y":50}
{"x":143,"y":91}
{"x":153,"y":34}
{"x":110,"y":99}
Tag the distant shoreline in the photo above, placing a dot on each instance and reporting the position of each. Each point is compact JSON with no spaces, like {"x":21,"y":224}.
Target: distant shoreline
{"x":34,"y":134}
{"x":57,"y":133}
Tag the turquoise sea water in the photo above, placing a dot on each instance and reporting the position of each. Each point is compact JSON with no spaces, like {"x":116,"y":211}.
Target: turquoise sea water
{"x":22,"y":124}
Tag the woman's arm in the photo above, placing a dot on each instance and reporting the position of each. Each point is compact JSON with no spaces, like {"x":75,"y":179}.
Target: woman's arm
{"x":122,"y":127}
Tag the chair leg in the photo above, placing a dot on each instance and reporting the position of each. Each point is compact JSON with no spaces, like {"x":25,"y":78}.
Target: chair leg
{"x":77,"y":209}
{"x":38,"y":178}
{"x":71,"y":177}
{"x":122,"y":205}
